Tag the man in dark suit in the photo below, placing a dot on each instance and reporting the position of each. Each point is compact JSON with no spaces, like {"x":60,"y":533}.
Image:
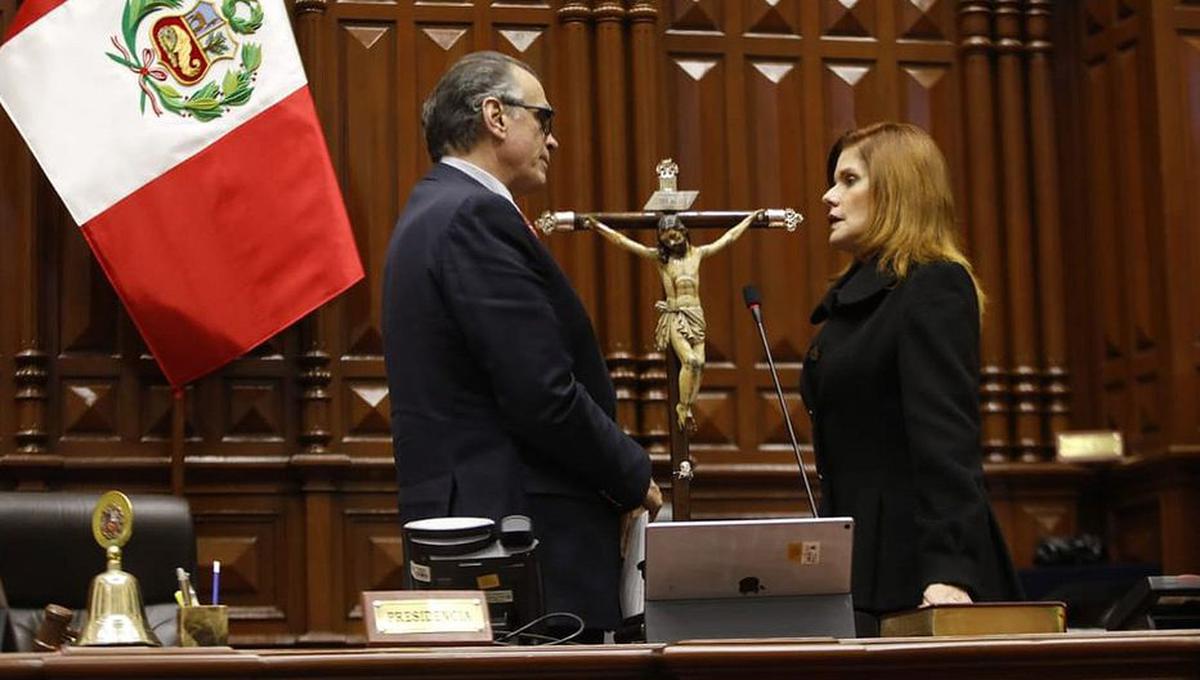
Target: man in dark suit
{"x":500,"y":397}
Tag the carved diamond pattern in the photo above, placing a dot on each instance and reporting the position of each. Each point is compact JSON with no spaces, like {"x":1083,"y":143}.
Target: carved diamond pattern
{"x":370,"y":410}
{"x":771,"y":425}
{"x":157,"y":405}
{"x":1097,"y":15}
{"x":773,"y":18}
{"x":852,"y":96}
{"x":696,"y":68}
{"x":1050,"y":520}
{"x":850,"y":74}
{"x":927,"y":77}
{"x":520,"y":39}
{"x":925,"y":19}
{"x":90,"y":409}
{"x":367,"y":36}
{"x":920,"y":93}
{"x":239,"y":562}
{"x":714,"y":413}
{"x":255,"y":410}
{"x":774,"y":71}
{"x":848,"y":18}
{"x":368,"y":342}
{"x":445,"y":37}
{"x":696,"y":15}
{"x":386,"y":559}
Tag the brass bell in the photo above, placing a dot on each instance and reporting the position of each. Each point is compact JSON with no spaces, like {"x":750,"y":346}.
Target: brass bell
{"x":115,"y":614}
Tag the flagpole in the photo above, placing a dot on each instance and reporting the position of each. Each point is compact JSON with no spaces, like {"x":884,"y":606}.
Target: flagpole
{"x":177,"y":407}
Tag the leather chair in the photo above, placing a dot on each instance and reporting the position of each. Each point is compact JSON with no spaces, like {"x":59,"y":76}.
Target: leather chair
{"x":48,"y":555}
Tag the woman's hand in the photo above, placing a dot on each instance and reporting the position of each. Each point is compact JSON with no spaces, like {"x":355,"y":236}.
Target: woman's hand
{"x":944,"y":593}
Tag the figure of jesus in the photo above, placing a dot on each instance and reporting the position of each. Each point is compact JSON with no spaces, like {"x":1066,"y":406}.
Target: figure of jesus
{"x":681,"y":323}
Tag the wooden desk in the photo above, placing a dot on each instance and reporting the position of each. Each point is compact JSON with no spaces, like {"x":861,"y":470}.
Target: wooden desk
{"x":1033,"y":657}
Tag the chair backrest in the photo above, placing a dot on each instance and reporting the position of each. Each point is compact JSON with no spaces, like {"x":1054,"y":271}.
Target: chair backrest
{"x":48,"y":554}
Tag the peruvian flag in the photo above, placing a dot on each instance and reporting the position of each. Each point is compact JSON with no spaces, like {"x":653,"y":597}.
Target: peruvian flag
{"x":182,"y":138}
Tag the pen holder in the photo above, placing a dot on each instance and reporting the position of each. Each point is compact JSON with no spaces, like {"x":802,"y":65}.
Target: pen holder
{"x":204,"y":626}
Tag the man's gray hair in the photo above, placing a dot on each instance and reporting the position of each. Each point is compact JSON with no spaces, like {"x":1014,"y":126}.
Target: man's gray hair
{"x":450,"y":115}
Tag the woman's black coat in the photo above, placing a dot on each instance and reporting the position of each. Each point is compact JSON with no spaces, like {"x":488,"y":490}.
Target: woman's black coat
{"x":891,"y":382}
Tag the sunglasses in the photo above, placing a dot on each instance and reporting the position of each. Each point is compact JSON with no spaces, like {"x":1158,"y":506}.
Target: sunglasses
{"x":543,"y":114}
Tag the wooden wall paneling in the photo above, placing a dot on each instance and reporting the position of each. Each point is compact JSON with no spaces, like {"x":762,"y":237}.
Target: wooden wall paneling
{"x":1082,"y":315}
{"x":1176,"y":100}
{"x":82,"y":321}
{"x":1018,"y":242}
{"x":1152,"y":508}
{"x":647,"y":131}
{"x":1098,"y":162}
{"x":1053,"y":377}
{"x":819,"y":266}
{"x":975,"y":18}
{"x":1035,"y":500}
{"x":620,"y":270}
{"x":260,"y":539}
{"x":775,"y":150}
{"x":374,"y":101}
{"x":1143,"y":258}
{"x":1186,"y":353}
{"x":322,"y":558}
{"x":373,"y":552}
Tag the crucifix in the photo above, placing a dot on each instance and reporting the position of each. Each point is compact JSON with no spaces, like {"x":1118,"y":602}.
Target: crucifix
{"x":681,"y":327}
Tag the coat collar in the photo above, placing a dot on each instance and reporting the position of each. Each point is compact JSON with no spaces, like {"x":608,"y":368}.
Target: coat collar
{"x":862,"y":282}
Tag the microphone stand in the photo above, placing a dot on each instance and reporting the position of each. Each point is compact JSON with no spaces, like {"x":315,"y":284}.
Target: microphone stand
{"x":756,"y":312}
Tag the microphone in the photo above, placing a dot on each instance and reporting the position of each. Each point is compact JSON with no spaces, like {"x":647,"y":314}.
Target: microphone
{"x":754,"y":303}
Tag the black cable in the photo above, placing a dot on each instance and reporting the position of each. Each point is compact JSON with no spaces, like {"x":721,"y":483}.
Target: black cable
{"x":520,"y":632}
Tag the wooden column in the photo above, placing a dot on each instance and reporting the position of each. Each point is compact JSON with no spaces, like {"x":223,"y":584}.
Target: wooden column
{"x":314,"y":374}
{"x":1022,"y":304}
{"x":1048,"y":219}
{"x":975,"y":29}
{"x":578,"y":156}
{"x":318,"y":467}
{"x":620,"y":269}
{"x":18,"y":179}
{"x":31,"y":361}
{"x":310,"y":23}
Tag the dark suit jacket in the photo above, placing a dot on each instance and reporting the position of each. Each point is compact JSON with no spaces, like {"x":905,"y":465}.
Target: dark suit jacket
{"x":891,"y":382}
{"x":501,"y":400}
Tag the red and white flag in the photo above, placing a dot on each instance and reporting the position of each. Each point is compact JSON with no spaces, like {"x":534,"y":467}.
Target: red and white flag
{"x":182,"y":138}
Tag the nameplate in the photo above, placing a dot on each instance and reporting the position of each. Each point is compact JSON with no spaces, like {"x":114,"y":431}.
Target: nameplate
{"x":426,"y":617}
{"x":1085,"y":447}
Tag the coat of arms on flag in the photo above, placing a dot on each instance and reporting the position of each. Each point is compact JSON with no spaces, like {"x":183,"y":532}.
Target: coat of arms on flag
{"x":208,"y":264}
{"x":185,"y":48}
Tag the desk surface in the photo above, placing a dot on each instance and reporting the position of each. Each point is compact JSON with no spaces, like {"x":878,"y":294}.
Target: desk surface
{"x":1164,"y":654}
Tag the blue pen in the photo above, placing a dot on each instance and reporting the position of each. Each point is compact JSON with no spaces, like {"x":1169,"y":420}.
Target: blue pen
{"x":216,"y":579}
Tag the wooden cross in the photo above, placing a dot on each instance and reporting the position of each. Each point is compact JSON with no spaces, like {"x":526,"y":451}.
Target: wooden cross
{"x":681,"y":327}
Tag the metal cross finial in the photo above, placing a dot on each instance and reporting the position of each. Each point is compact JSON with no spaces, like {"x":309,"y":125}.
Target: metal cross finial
{"x":669,"y":198}
{"x":668,"y":172}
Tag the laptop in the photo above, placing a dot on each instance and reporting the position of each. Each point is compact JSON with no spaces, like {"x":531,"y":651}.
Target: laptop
{"x":749,"y":578}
